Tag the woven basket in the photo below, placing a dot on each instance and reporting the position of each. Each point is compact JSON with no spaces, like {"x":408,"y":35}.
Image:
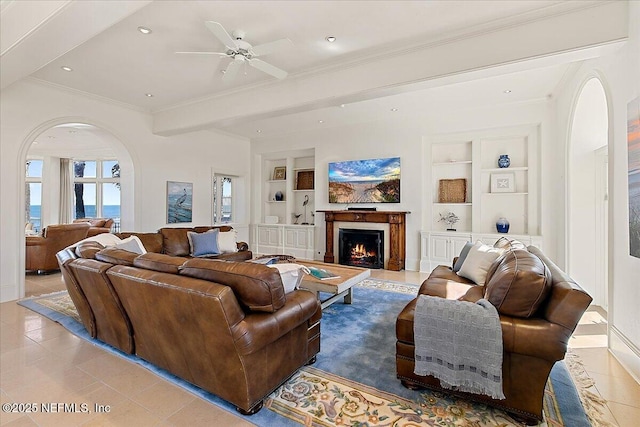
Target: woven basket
{"x":452,"y":190}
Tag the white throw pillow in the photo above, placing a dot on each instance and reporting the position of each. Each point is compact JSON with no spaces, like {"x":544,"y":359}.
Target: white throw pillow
{"x":291,"y":275}
{"x":131,"y":244}
{"x":105,"y":239}
{"x":478,"y":261}
{"x":227,"y":241}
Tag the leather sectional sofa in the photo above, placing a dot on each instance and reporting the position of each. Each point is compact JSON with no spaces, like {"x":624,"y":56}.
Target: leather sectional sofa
{"x":539,"y":307}
{"x":225,"y":326}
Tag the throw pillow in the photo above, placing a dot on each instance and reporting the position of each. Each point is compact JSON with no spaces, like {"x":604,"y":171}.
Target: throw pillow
{"x":463,"y":255}
{"x":132,"y":244}
{"x":478,"y":262}
{"x":204,"y":244}
{"x":227,"y":241}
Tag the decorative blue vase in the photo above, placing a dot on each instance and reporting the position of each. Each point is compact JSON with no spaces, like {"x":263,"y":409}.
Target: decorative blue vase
{"x":504,"y":161}
{"x":279,"y":196}
{"x":502,"y":225}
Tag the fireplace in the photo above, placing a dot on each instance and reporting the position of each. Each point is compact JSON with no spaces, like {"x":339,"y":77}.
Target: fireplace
{"x":361,"y":248}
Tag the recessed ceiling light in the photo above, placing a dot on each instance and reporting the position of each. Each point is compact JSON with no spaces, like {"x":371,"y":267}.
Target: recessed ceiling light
{"x":66,"y":68}
{"x":320,"y":121}
{"x":330,"y":39}
{"x":342,"y":105}
{"x":259,"y":131}
{"x":506,"y":91}
{"x":144,"y":30}
{"x":148,"y":95}
{"x":394,"y":109}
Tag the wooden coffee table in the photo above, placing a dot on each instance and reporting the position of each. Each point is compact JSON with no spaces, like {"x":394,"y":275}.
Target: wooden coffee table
{"x":339,"y":287}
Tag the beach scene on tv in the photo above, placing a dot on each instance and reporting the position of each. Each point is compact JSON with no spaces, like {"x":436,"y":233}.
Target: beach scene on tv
{"x":365,"y":181}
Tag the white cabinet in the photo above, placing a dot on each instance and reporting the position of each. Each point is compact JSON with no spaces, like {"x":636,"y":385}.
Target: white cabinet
{"x":295,"y":240}
{"x":439,"y":248}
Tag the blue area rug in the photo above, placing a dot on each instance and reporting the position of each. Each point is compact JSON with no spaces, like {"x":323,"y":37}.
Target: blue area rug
{"x":357,"y":345}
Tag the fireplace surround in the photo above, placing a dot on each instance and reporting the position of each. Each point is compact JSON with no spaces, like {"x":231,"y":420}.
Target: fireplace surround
{"x":394,"y":220}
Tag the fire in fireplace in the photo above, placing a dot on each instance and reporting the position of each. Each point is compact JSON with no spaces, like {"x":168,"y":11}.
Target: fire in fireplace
{"x":361,"y":248}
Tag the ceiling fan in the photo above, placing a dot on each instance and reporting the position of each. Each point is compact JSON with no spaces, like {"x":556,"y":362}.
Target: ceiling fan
{"x":242,"y":52}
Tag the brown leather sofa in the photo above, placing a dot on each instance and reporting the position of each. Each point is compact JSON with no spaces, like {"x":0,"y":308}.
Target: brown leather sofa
{"x":97,"y":225}
{"x":227,"y":327}
{"x":539,"y":307}
{"x":41,"y":251}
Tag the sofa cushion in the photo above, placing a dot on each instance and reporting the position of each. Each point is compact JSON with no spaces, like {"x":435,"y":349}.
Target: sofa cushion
{"x":507,"y":244}
{"x":257,"y":287}
{"x":88,"y":249}
{"x":478,"y":262}
{"x":520,"y":283}
{"x":159,"y":262}
{"x":203,"y":244}
{"x":116,"y":256}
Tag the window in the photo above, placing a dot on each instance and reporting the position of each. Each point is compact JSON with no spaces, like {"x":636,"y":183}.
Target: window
{"x":33,"y":205}
{"x":97,"y":189}
{"x":222,"y":199}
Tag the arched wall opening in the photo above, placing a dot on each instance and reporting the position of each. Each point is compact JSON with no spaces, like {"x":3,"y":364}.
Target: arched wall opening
{"x":101,"y":134}
{"x":587,"y":204}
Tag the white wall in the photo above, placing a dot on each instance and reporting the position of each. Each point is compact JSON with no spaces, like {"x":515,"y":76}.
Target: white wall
{"x":406,"y":136}
{"x":589,"y":132}
{"x":27,"y":108}
{"x":619,"y":74}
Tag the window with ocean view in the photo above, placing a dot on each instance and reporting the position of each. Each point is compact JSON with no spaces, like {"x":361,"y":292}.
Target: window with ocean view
{"x":97,"y":190}
{"x":33,"y":197}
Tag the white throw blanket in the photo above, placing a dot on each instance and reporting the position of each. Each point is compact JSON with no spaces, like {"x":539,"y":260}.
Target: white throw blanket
{"x":460,"y":343}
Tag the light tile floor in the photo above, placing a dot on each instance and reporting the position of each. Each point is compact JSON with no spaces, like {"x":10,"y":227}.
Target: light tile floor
{"x":41,"y":362}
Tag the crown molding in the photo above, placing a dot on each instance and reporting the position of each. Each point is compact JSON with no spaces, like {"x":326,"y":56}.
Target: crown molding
{"x":88,"y":95}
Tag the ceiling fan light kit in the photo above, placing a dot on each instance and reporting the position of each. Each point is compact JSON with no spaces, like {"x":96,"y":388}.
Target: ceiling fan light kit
{"x":241,"y":52}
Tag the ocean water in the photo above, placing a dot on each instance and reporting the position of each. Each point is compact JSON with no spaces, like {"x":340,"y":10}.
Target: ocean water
{"x":108,"y":211}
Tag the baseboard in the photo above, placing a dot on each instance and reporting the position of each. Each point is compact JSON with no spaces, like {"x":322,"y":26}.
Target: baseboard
{"x":626,"y":352}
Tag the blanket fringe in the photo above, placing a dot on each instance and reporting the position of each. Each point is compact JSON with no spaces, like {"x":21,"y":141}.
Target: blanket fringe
{"x":594,"y":404}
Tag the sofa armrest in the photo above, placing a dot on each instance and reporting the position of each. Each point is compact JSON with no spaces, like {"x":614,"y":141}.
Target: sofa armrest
{"x":534,"y":337}
{"x":257,"y":330}
{"x":473,"y":294}
{"x":35,"y":241}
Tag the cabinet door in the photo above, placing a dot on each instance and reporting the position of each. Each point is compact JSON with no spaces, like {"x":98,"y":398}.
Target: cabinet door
{"x":439,"y":249}
{"x":268,"y":236}
{"x":295,"y":238}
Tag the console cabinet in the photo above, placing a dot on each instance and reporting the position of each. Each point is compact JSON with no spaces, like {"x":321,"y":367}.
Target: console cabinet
{"x":295,"y":240}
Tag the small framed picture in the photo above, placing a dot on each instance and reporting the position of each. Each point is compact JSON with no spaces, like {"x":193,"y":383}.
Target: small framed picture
{"x":503,"y":183}
{"x":279,"y":173}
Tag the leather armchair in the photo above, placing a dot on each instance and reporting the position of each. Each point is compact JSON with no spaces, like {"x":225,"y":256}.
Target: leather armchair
{"x":98,"y":225}
{"x":41,"y":250}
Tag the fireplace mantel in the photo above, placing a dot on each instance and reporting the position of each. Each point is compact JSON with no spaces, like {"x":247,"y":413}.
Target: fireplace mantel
{"x":397,"y":231}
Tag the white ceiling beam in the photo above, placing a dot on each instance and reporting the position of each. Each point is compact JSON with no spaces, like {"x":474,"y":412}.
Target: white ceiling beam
{"x":561,"y":36}
{"x":35,"y":33}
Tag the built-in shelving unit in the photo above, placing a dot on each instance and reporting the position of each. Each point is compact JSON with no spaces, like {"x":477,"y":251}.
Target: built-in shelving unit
{"x":474,"y":157}
{"x":277,"y":230}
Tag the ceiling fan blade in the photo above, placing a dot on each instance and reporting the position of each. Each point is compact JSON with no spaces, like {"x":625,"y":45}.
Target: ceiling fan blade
{"x":232,"y":70}
{"x":203,"y":53}
{"x":266,"y":48}
{"x":219,"y":31}
{"x":268,"y":68}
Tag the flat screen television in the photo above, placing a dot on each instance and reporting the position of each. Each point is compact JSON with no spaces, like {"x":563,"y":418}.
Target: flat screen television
{"x":365,"y":181}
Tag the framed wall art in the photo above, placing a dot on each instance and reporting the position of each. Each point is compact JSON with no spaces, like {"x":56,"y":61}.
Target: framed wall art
{"x":503,"y":183}
{"x":633,"y":176}
{"x":279,"y":173}
{"x":179,"y":202}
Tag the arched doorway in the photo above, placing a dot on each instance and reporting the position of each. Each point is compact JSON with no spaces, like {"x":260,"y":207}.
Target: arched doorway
{"x":77,"y":139}
{"x":587,"y":231}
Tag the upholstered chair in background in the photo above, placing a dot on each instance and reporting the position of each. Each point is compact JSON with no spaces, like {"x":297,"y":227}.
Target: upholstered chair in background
{"x":41,"y":250}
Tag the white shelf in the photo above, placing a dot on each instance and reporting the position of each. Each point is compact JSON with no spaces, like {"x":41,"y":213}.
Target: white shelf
{"x":455,"y":162}
{"x":451,"y":204}
{"x":275,"y":201}
{"x":277,"y":180}
{"x":505,"y":194}
{"x":303,"y":191}
{"x":516,"y":168}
